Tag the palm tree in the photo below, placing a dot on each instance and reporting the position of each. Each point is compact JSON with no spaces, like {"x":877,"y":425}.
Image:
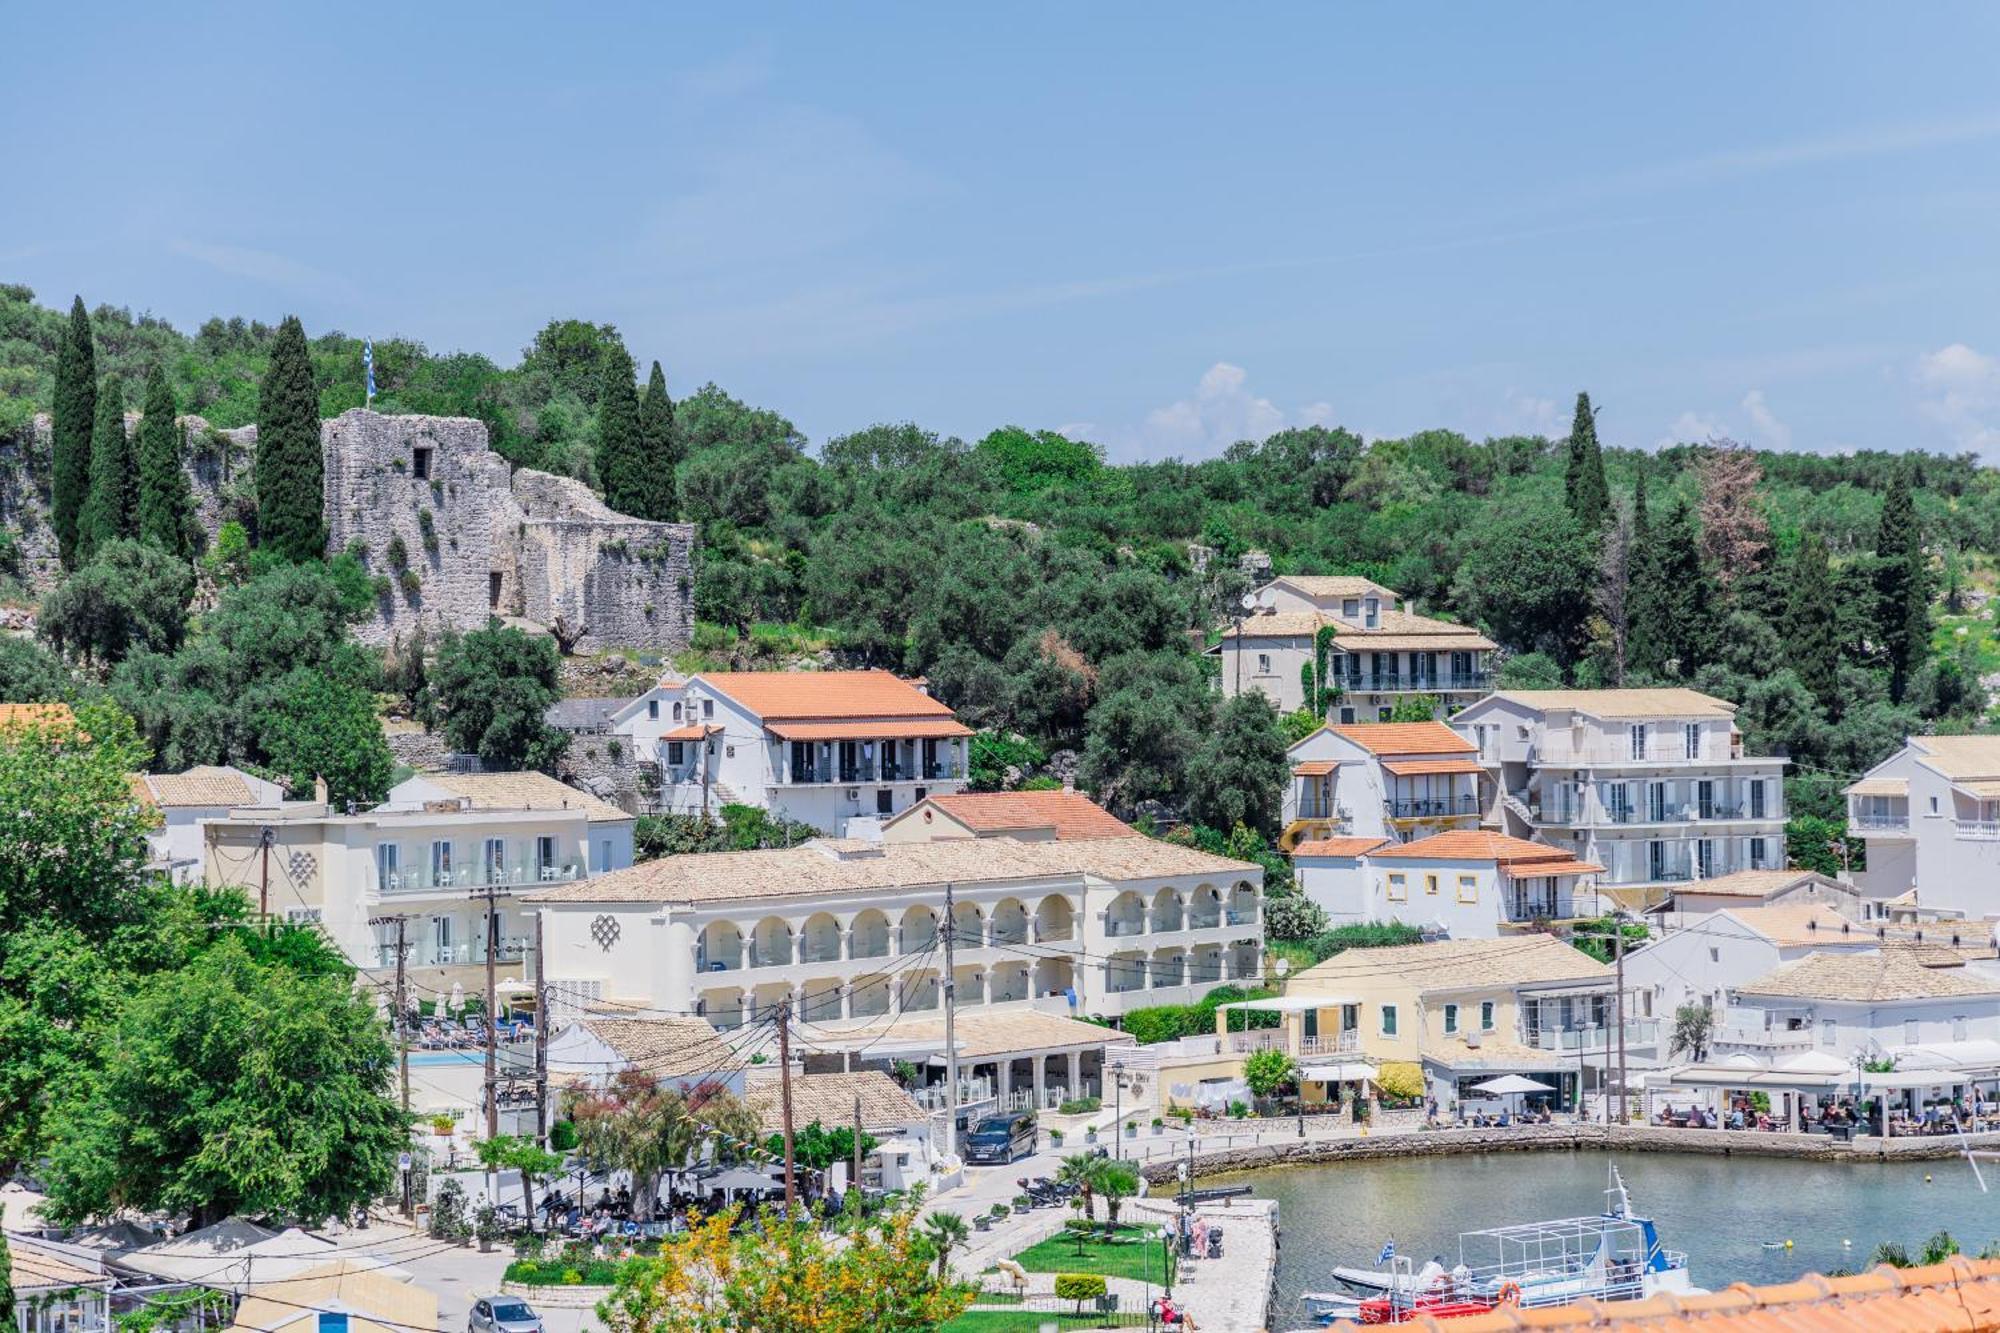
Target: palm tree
{"x":1117,"y":1182}
{"x":946,"y":1231}
{"x":1080,"y":1169}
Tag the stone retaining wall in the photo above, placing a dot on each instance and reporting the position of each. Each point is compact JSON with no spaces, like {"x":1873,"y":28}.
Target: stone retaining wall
{"x":1561,"y":1138}
{"x":557,"y":1297}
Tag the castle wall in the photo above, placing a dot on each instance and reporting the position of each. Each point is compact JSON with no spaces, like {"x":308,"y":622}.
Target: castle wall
{"x":628,"y":581}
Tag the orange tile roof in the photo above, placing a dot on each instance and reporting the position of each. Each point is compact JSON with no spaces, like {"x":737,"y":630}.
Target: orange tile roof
{"x":1960,"y":1294}
{"x":1402,"y":738}
{"x":49,"y":716}
{"x":692,"y":732}
{"x":1337,"y":846}
{"x":800,"y":695}
{"x":1420,"y":768}
{"x":1475,"y":845}
{"x":1071,"y":814}
{"x":1314,"y":768}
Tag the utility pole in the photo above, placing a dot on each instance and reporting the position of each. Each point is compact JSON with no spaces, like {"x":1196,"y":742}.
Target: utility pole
{"x":402,"y":1023}
{"x":1618,"y":959}
{"x":950,"y":1031}
{"x":492,"y":1062}
{"x":264,"y":877}
{"x":1117,"y":1108}
{"x":785,"y":1096}
{"x":541,"y":1040}
{"x":854,"y":1183}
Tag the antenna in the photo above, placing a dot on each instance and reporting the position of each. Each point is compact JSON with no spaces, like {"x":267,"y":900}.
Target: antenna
{"x":1250,"y":601}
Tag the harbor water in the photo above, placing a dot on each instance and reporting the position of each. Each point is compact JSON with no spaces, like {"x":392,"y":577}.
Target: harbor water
{"x":1721,"y":1210}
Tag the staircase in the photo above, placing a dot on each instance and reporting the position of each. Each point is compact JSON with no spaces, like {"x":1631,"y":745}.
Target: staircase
{"x":1512,"y":803}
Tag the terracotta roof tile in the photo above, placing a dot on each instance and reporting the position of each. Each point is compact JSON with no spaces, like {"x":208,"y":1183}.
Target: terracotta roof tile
{"x":829,"y":1099}
{"x":1337,"y":846}
{"x":1669,"y":702}
{"x":666,"y":1047}
{"x":803,"y":695}
{"x":1960,"y":757}
{"x":1890,"y":974}
{"x":1474,"y":845}
{"x":1423,"y":768}
{"x":1281,"y":625}
{"x":13,"y":716}
{"x":1748,"y":883}
{"x":1796,"y":924}
{"x":196,"y":787}
{"x":1404,"y":738}
{"x":981,"y":1036}
{"x":1333,"y":585}
{"x":901,"y":728}
{"x":1071,"y":814}
{"x":523,"y":791}
{"x":1458,"y":964}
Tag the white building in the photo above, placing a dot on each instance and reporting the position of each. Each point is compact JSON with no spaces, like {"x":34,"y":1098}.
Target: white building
{"x":1865,"y":1006}
{"x":1703,"y":961}
{"x":183,"y":800}
{"x":909,"y":1139}
{"x":1464,"y":884}
{"x":1393,"y":780}
{"x":1763,"y":888}
{"x":820,"y":747}
{"x":1652,"y":784}
{"x":1380,"y":654}
{"x":684,"y":1054}
{"x":1930,"y":816}
{"x":428,"y":856}
{"x":848,"y":931}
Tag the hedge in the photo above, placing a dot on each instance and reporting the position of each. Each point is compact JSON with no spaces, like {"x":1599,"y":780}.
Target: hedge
{"x":1079,"y":1287}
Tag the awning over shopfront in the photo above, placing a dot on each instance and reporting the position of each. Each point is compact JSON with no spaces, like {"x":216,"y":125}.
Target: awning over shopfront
{"x":1979,"y":1057}
{"x":1349,"y":1071}
{"x":1751,"y":1076}
{"x":1289,"y":1004}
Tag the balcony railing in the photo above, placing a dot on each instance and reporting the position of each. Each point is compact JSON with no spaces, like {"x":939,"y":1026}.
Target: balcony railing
{"x":1594,"y":1037}
{"x":839,"y":775}
{"x":1979,"y":830}
{"x":1339,"y":1043}
{"x":1880,"y":822}
{"x":1562,"y":907}
{"x":1388,"y":682}
{"x":1762,"y":1038}
{"x":1430,"y":807}
{"x":432,"y":954}
{"x":1561,"y":751}
{"x":477,"y":877}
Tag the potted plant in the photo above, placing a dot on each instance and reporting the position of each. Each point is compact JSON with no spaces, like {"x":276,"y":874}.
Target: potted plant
{"x":1131,"y":1129}
{"x":1021,"y":1205}
{"x":441,"y":1125}
{"x":486,"y":1227}
{"x":998,"y":1211}
{"x":1159,"y":1126}
{"x":1090,"y":1134}
{"x":1055,"y":1138}
{"x":982,"y":1221}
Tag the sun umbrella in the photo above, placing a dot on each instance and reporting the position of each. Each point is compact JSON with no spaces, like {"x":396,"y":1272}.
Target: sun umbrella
{"x":1509,"y":1083}
{"x":455,"y":1004}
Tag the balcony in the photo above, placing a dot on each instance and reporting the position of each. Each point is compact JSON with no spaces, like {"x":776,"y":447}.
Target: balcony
{"x":1595,"y":1037}
{"x":850,"y":775}
{"x":471,"y":879}
{"x":429,"y":953}
{"x":1778,"y":1040}
{"x":1977,"y":830}
{"x":1542,"y":907}
{"x":1340,"y":1043}
{"x":1881,"y":823}
{"x":1558,"y":750}
{"x":1393,"y":682}
{"x":1432,"y":807}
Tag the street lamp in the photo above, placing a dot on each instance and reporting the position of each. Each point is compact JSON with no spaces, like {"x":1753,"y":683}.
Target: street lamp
{"x":1117,"y":1106}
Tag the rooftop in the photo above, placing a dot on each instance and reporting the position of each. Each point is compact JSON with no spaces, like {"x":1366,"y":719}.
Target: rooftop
{"x":1888,"y":975}
{"x":522,"y":791}
{"x":1403,"y":738}
{"x":1333,"y":585}
{"x":1960,"y":758}
{"x":663,"y":1047}
{"x":1336,"y":846}
{"x":1463,"y":964}
{"x":17,"y":716}
{"x":1407,"y":630}
{"x":1752,"y":883}
{"x":981,"y":1036}
{"x":1789,"y":925}
{"x":1071,"y":814}
{"x":824,"y":866}
{"x":1670,"y":702}
{"x":824,"y":695}
{"x":374,"y":1301}
{"x":1483,"y":845}
{"x":204,"y":786}
{"x":1960,"y":1294}
{"x":830,"y":1099}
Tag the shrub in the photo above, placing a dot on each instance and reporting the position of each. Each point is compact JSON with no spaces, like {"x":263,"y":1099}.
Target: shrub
{"x":412,"y":584}
{"x":428,"y":528}
{"x":1293,"y":918}
{"x":1401,"y":1080}
{"x":1079,"y":1287}
{"x":562,"y":1135}
{"x":1080,"y":1106}
{"x":1267,"y":1071}
{"x":399,"y":554}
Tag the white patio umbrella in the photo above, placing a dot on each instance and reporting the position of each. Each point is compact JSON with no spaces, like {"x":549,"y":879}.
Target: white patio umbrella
{"x":1508,"y":1083}
{"x":455,"y":1003}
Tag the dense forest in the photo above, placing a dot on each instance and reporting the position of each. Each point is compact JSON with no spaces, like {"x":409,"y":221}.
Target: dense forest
{"x":1062,"y":603}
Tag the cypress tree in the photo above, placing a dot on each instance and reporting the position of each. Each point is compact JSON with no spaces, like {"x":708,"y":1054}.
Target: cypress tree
{"x":75,"y":420}
{"x":1812,"y":640}
{"x":166,"y":506}
{"x":1642,"y":575}
{"x":1583,"y":483}
{"x":621,"y":463}
{"x":110,"y":510}
{"x":1672,"y":621}
{"x":1902,"y":585}
{"x":658,"y":449}
{"x":291,"y":517}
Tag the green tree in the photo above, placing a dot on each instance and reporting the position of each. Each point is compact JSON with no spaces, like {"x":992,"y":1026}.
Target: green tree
{"x":1584,"y":487}
{"x":659,"y":453}
{"x":1812,"y":644}
{"x":321,"y":728}
{"x":1239,"y":770}
{"x":1694,"y":1027}
{"x":74,"y":423}
{"x":1116,"y":1182}
{"x":130,"y":596}
{"x":30,"y":674}
{"x":1414,"y":708}
{"x":1902,"y":585}
{"x":494,"y":687}
{"x":1151,"y":713}
{"x":6,"y":1274}
{"x":1268,"y":1070}
{"x":1813,"y":842}
{"x":110,"y":508}
{"x":511,"y":1152}
{"x":621,"y":442}
{"x":1673,"y":624}
{"x":1028,"y":461}
{"x":232,"y":1086}
{"x":946,"y":1231}
{"x":291,"y":519}
{"x":165,"y":506}
{"x":1536,"y":571}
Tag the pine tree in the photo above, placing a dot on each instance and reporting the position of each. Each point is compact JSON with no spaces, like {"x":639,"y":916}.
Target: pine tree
{"x":1583,"y":483}
{"x":291,"y":517}
{"x":1902,"y":585}
{"x":659,"y":450}
{"x":620,"y":440}
{"x":166,"y":505}
{"x":110,"y":510}
{"x":1812,"y":640}
{"x":75,"y":421}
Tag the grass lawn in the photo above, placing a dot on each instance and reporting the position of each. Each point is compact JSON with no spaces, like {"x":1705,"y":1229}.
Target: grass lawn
{"x":1140,"y":1259}
{"x":1031,"y":1321}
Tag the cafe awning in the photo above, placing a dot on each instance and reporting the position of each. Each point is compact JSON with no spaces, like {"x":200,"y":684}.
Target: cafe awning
{"x":1739,"y":1076}
{"x":1348,"y":1071}
{"x":1289,"y":1004}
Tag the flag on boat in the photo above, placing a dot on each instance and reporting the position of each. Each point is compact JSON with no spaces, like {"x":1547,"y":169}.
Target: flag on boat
{"x":368,"y":365}
{"x":1388,"y":1253}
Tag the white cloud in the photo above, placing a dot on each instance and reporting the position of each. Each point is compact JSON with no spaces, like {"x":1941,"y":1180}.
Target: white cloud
{"x":1961,"y":394}
{"x":1764,"y":422}
{"x":1529,"y":414}
{"x":1221,"y":411}
{"x":1691,"y":428}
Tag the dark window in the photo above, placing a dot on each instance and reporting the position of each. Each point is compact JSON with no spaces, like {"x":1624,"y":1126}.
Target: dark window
{"x":653,"y":709}
{"x":885,"y":802}
{"x":493,"y":589}
{"x":420,"y":463}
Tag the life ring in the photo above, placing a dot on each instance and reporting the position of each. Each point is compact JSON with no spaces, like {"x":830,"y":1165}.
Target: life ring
{"x":1510,"y":1293}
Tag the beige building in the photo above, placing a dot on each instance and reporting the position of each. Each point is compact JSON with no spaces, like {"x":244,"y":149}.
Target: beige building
{"x":1381,"y":652}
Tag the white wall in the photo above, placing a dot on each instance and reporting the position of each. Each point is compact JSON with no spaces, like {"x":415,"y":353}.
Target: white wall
{"x":1241,"y":665}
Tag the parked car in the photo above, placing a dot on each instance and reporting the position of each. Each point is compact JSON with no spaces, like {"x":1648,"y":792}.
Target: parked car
{"x":1001,"y":1138}
{"x":502,"y":1314}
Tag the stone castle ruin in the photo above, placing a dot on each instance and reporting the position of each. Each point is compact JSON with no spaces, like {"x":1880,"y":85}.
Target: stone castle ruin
{"x":454,"y":535}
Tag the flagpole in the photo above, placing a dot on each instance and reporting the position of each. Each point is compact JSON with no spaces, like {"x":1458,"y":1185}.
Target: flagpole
{"x":368,"y":372}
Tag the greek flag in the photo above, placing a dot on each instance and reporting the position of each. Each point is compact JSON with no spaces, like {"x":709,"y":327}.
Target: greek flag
{"x":1388,"y":1253}
{"x":368,"y":364}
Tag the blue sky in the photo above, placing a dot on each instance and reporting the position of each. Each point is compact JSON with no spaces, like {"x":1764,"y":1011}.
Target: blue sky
{"x":1162,"y":227}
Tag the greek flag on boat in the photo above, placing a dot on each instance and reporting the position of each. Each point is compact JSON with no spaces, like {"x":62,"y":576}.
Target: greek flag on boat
{"x":368,"y":363}
{"x":1388,"y":1253}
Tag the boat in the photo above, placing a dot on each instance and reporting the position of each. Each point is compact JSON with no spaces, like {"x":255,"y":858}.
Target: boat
{"x":1610,"y":1256}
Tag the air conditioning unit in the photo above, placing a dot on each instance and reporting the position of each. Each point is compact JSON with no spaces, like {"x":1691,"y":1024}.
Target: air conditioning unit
{"x":854,"y":793}
{"x":1472,"y":1040}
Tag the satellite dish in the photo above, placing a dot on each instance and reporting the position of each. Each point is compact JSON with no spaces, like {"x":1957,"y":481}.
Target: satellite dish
{"x":1266,"y":598}
{"x":1250,"y":601}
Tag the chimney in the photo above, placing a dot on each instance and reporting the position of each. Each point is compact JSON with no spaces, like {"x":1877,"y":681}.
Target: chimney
{"x":1069,"y":784}
{"x":319,"y":790}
